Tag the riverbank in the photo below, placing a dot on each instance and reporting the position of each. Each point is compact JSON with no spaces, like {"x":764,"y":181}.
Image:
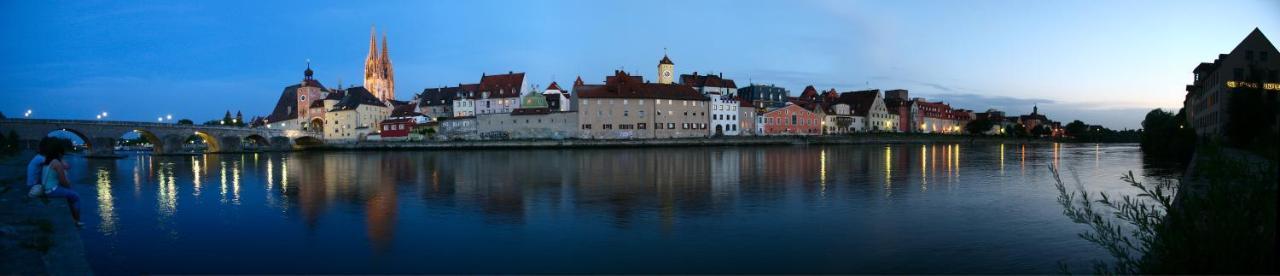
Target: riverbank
{"x":684,"y":142}
{"x":37,"y":236}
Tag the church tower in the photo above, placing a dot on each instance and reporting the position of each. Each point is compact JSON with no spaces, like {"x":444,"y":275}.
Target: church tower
{"x":379,"y":77}
{"x":666,"y":70}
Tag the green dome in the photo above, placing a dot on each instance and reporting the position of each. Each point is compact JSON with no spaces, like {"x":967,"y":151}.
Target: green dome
{"x":533,"y":99}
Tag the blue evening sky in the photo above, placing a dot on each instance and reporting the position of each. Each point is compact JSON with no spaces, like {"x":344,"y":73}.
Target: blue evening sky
{"x":1105,"y":62}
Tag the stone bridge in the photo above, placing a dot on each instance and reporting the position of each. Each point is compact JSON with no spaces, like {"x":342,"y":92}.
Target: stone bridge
{"x":100,"y":137}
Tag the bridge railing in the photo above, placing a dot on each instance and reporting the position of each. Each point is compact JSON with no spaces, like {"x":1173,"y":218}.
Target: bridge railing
{"x":127,"y":124}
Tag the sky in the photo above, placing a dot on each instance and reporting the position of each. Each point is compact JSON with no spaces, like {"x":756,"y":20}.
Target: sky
{"x":1103,"y":62}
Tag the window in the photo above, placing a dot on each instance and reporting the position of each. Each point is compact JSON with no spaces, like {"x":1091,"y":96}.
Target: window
{"x":671,"y":125}
{"x":640,"y":126}
{"x":607,"y":126}
{"x":684,"y":126}
{"x":642,"y":113}
{"x":1248,"y":55}
{"x":586,"y":126}
{"x":1263,"y":55}
{"x":625,"y":113}
{"x":655,"y":126}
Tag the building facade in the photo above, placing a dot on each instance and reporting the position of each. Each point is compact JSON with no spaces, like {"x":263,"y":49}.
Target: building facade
{"x":379,"y":76}
{"x":1252,"y":65}
{"x":789,"y":120}
{"x":499,"y":93}
{"x":724,"y":115}
{"x":763,"y":96}
{"x":357,"y":115}
{"x":869,"y":104}
{"x":626,"y":107}
{"x":747,"y":119}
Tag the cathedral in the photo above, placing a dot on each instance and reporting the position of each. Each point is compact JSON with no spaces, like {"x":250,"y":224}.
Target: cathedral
{"x":379,"y":77}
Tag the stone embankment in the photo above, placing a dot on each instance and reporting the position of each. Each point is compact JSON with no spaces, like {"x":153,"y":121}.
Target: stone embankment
{"x":688,"y":142}
{"x":37,"y":235}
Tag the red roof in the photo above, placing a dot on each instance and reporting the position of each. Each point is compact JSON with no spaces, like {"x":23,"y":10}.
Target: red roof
{"x":809,"y":94}
{"x":502,"y":86}
{"x":707,"y":80}
{"x":554,"y":86}
{"x":622,"y":85}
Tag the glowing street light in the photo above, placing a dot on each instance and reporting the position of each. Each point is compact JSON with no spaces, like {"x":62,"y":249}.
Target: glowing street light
{"x":28,"y":114}
{"x":168,"y":117}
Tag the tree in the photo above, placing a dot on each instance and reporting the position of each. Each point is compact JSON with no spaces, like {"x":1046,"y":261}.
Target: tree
{"x":1077,"y":129}
{"x":979,"y":127}
{"x":13,"y":141}
{"x":1041,"y":130}
{"x":2,"y":115}
{"x":4,"y":145}
{"x":1017,"y":130}
{"x":226,"y":119}
{"x":185,"y":122}
{"x":1166,"y":134}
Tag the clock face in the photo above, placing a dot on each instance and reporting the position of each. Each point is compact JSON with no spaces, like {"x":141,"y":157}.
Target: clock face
{"x":666,"y":73}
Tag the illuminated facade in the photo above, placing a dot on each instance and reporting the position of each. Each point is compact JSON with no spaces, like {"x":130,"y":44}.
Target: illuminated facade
{"x":1252,"y":64}
{"x":789,"y":120}
{"x":379,"y":76}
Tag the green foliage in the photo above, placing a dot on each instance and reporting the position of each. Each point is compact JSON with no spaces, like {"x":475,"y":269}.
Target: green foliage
{"x":1166,"y":135}
{"x":979,"y":127}
{"x":186,"y":122}
{"x":10,"y":144}
{"x":1041,"y":130}
{"x":1077,"y":128}
{"x":1223,"y":222}
{"x":1251,"y":121}
{"x":5,"y":145}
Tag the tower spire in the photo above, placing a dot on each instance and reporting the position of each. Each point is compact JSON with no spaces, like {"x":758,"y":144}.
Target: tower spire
{"x":373,"y":42}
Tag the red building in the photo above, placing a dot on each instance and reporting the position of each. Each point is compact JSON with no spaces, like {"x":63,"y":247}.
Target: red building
{"x":396,"y":128}
{"x":789,"y":120}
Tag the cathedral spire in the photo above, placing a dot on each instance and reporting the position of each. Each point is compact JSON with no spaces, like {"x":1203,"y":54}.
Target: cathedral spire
{"x":373,"y":43}
{"x":384,"y":56}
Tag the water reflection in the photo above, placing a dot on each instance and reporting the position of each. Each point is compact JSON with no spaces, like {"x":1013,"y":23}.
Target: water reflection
{"x":352,"y":205}
{"x":106,"y":204}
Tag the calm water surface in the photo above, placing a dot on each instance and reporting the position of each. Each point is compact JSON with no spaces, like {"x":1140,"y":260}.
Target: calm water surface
{"x":868,"y":208}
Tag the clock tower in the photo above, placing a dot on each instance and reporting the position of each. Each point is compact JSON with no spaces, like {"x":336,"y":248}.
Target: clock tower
{"x":666,"y":70}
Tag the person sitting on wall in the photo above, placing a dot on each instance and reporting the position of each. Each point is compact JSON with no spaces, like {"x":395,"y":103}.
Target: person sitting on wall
{"x":53,"y":178}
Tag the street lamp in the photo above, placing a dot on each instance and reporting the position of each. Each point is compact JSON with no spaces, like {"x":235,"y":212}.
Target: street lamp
{"x":168,"y":117}
{"x":28,"y":114}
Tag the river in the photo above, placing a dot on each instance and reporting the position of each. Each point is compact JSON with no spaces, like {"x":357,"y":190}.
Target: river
{"x":938,"y":208}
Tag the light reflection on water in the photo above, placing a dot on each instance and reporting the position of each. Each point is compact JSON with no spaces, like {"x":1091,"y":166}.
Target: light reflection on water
{"x":771,"y":209}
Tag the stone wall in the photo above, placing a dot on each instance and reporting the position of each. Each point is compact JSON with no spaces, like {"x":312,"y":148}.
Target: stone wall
{"x":555,"y":125}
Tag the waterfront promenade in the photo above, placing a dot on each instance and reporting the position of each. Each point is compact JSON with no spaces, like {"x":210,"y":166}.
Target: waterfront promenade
{"x":861,"y":139}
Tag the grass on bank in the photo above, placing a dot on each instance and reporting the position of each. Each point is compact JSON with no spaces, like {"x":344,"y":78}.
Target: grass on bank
{"x":1220,"y":220}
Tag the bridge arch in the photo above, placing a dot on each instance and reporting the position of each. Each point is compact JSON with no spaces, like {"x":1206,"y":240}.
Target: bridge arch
{"x":86,"y":139}
{"x":214,"y":145}
{"x":257,"y":139}
{"x":316,"y":125}
{"x":157,"y":144}
{"x":308,"y":141}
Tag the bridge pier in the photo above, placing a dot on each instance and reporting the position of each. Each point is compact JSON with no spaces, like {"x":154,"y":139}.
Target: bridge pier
{"x":229,"y":144}
{"x":281,"y":143}
{"x":102,"y":147}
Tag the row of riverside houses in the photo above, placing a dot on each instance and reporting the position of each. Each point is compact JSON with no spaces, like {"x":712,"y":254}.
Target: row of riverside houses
{"x":627,"y":106}
{"x":623,"y":106}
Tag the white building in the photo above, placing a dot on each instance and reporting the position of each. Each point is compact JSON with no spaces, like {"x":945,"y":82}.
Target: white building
{"x":499,"y":93}
{"x":724,"y":115}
